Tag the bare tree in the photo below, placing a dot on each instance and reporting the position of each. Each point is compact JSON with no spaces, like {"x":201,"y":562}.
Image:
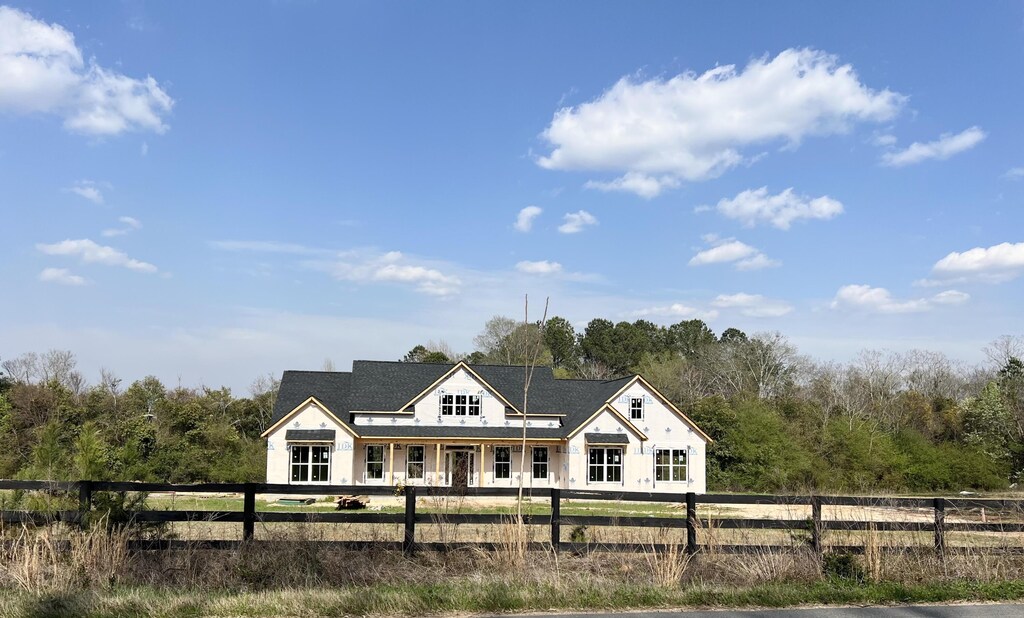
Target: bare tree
{"x":1000,"y":351}
{"x":264,"y":394}
{"x":24,"y":369}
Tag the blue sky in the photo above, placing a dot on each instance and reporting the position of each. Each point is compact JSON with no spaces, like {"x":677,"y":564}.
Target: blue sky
{"x":210,"y":191}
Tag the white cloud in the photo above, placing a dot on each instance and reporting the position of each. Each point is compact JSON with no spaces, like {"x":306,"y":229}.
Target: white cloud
{"x":266,"y":246}
{"x":880,"y":300}
{"x":91,"y":253}
{"x":524,"y":220}
{"x":884,"y":140}
{"x":755,"y":206}
{"x":994,"y":264}
{"x":130,"y":224}
{"x":657,"y":133}
{"x":576,"y":221}
{"x":62,"y":276}
{"x":730,"y":250}
{"x":393,"y":267}
{"x":635,"y":182}
{"x":542,"y":267}
{"x":752,"y":305}
{"x":1014,"y":173}
{"x":943,"y":148}
{"x":144,"y":149}
{"x":42,"y":71}
{"x":88,"y":189}
{"x":676,"y":310}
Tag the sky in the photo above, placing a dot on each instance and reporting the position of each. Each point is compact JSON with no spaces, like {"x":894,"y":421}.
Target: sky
{"x":208,"y":192}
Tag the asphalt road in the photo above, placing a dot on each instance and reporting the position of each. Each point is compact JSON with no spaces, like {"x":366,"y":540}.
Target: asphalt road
{"x":906,"y":611}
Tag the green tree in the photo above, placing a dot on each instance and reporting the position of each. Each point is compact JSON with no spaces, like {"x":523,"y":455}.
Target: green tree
{"x":560,"y":338}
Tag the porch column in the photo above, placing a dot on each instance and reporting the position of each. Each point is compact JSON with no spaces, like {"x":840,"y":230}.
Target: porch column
{"x":483,"y":463}
{"x":437,"y":466}
{"x":391,"y":463}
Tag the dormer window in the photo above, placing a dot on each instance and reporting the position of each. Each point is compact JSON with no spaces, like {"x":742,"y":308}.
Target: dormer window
{"x":636,"y":408}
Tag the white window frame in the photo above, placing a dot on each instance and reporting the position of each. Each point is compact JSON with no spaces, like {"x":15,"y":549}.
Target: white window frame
{"x":474,"y":405}
{"x":674,"y":471}
{"x":447,"y":404}
{"x":546,"y":463}
{"x":409,"y":461}
{"x":506,"y":464}
{"x":604,"y":467}
{"x":322,"y":450}
{"x":636,"y":408}
{"x":367,"y":461}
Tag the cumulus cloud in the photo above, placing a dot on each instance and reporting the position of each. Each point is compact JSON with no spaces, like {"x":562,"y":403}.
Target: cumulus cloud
{"x":62,"y":276}
{"x":574,"y":222}
{"x":730,"y":250}
{"x":89,"y":252}
{"x":657,"y":133}
{"x":880,"y":300}
{"x":1014,"y":173}
{"x":88,"y":189}
{"x":752,"y":305}
{"x":542,"y":267}
{"x":130,"y":224}
{"x":42,"y":71}
{"x":676,"y":310}
{"x":994,"y":264}
{"x":755,"y":206}
{"x":524,"y":220}
{"x":943,"y":148}
{"x":393,"y":267}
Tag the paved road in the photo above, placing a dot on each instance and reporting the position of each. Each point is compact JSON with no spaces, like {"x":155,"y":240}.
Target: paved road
{"x":906,"y":611}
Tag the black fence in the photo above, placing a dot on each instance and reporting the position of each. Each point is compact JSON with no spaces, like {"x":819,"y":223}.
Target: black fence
{"x":814,"y":526}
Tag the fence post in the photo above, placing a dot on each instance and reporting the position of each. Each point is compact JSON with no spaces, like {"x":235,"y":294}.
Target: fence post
{"x":940,"y":525}
{"x":408,"y":543}
{"x":691,"y":523}
{"x":249,"y":512}
{"x":816,"y":524}
{"x":556,"y":514}
{"x":84,"y":502}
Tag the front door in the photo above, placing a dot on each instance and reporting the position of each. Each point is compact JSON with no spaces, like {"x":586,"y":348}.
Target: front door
{"x":459,"y":466}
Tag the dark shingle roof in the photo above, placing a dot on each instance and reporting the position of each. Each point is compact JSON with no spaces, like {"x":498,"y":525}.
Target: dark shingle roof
{"x":607,"y":438}
{"x":324,"y":435}
{"x":406,"y":431}
{"x":382,"y":386}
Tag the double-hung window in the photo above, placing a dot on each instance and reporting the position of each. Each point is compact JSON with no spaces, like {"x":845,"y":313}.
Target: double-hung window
{"x":605,"y":465}
{"x":540,"y":462}
{"x":414,"y":462}
{"x":670,"y":464}
{"x":374,"y":462}
{"x":636,"y":408}
{"x":503,"y":462}
{"x":311,"y":463}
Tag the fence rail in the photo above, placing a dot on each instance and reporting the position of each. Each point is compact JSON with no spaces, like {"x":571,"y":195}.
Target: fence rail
{"x":814,"y":525}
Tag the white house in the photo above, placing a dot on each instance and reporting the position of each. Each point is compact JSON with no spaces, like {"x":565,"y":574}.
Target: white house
{"x":461,"y":425}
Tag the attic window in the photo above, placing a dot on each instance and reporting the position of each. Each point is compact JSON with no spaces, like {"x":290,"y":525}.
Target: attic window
{"x":636,"y":408}
{"x":460,"y":405}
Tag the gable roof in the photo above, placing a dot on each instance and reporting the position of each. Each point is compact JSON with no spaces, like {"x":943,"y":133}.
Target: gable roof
{"x":389,"y":386}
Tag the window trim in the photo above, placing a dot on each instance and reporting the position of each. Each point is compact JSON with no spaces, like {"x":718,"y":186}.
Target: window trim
{"x":496,"y":463}
{"x":422,"y":462}
{"x":309,"y":463}
{"x":460,"y":404}
{"x":604,"y":466}
{"x":639,"y":409}
{"x":546,"y":463}
{"x":672,"y":467}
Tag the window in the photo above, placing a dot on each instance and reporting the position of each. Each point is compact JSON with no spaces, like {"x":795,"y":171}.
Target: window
{"x":540,"y":462}
{"x":460,"y":405}
{"x":502,"y":462}
{"x":375,"y":461}
{"x":605,"y":465}
{"x":311,"y":463}
{"x":670,"y":464}
{"x":636,"y":408}
{"x":414,"y":462}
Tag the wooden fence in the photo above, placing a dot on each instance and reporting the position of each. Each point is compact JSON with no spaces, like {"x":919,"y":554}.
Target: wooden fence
{"x":814,"y":526}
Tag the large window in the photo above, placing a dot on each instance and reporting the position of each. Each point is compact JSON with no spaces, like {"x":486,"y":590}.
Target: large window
{"x":414,"y":462}
{"x":460,"y":405}
{"x":540,"y":462}
{"x":375,"y":462}
{"x":605,"y":465}
{"x":636,"y":408}
{"x":670,"y":464}
{"x":503,"y":462}
{"x":311,"y":463}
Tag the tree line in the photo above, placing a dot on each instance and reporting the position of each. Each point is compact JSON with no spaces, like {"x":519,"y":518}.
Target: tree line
{"x":914,"y":421}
